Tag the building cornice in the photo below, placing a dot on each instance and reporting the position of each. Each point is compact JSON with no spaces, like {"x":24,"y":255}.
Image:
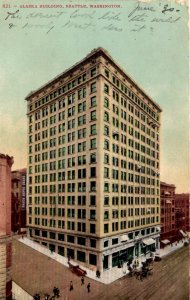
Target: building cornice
{"x":93,"y":54}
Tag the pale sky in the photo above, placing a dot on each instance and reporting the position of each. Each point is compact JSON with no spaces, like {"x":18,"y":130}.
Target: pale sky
{"x":156,"y":57}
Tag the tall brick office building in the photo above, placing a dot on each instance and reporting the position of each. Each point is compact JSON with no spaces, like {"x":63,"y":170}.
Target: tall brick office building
{"x":93,"y":164}
{"x":5,"y":227}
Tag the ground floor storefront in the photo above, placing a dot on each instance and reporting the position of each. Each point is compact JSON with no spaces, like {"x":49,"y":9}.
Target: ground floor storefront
{"x":100,"y":253}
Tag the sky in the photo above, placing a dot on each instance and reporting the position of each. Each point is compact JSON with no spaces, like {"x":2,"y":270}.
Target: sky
{"x":149,"y":41}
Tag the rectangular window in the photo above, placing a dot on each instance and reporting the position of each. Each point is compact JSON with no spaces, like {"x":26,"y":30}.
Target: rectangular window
{"x":106,"y":102}
{"x":106,"y":228}
{"x":93,"y":87}
{"x":93,"y":200}
{"x":92,"y":243}
{"x":93,"y":101}
{"x":81,"y":256}
{"x":93,"y":129}
{"x":106,"y":73}
{"x":106,"y":200}
{"x":93,"y":144}
{"x":70,"y":239}
{"x":93,"y":186}
{"x":93,"y":158}
{"x":106,"y":130}
{"x":106,"y":144}
{"x":93,"y":115}
{"x":106,"y":172}
{"x":115,"y":241}
{"x":81,"y":241}
{"x":92,"y":228}
{"x":92,"y":214}
{"x":106,"y":88}
{"x":93,"y":172}
{"x":93,"y":72}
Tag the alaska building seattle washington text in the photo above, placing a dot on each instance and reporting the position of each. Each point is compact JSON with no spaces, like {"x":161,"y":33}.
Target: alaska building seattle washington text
{"x":93,"y":164}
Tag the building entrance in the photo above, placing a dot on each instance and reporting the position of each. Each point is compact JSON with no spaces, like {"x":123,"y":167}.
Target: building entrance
{"x":105,"y":262}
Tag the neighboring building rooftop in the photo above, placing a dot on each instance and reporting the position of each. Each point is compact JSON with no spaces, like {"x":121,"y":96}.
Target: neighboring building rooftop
{"x":20,"y":170}
{"x":167,"y":184}
{"x":9,"y":159}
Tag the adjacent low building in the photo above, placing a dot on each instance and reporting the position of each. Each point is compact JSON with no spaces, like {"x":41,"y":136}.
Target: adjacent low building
{"x":182,"y":214}
{"x":167,"y":208}
{"x":18,"y":223}
{"x":5,"y":227}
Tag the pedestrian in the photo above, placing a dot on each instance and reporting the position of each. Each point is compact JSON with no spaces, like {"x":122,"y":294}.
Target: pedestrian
{"x":54,"y":291}
{"x":88,"y":287}
{"x":98,"y":274}
{"x":71,"y":286}
{"x":82,"y":280}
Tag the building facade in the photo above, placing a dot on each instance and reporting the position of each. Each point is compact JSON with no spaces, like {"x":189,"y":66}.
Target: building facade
{"x":18,"y":178}
{"x":93,"y":164}
{"x":167,"y":208}
{"x":5,"y":227}
{"x":182,"y":213}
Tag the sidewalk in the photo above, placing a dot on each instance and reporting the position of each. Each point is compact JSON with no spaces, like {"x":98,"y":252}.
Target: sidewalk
{"x":172,"y":247}
{"x":19,"y":294}
{"x":107,"y":276}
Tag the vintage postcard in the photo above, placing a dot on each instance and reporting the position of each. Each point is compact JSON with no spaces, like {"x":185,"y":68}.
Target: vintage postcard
{"x":94,"y":103}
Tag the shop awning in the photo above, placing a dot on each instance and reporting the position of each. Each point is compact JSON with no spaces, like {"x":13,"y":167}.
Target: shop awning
{"x":124,"y":238}
{"x":165,"y":242}
{"x":183,"y":233}
{"x":167,"y":193}
{"x":149,"y":241}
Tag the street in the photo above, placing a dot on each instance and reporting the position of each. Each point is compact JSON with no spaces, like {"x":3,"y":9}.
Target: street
{"x":36,"y":273}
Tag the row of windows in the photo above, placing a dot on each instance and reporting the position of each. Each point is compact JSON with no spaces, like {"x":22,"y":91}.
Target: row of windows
{"x":71,"y":175}
{"x":66,"y":88}
{"x":71,"y":111}
{"x":61,"y":237}
{"x":81,"y":213}
{"x":114,"y":173}
{"x":82,"y":147}
{"x":72,"y":187}
{"x":61,"y":104}
{"x":81,"y":200}
{"x":81,"y":160}
{"x":128,"y":106}
{"x":130,"y":94}
{"x":81,"y":227}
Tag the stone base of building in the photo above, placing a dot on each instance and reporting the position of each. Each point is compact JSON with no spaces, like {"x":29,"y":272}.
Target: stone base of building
{"x":108,"y":251}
